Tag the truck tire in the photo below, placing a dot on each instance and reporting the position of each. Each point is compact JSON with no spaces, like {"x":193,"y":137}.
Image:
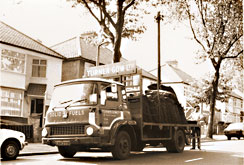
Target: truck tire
{"x":122,"y":147}
{"x":67,"y":151}
{"x":9,"y":150}
{"x":177,"y":144}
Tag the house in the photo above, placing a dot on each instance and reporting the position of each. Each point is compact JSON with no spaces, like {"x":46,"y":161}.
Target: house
{"x":27,"y":79}
{"x":80,"y":55}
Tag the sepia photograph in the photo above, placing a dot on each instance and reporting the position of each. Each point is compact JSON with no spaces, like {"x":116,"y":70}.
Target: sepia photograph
{"x":143,"y":82}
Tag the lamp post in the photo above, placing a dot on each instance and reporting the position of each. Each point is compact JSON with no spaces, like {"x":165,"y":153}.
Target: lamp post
{"x":98,"y":52}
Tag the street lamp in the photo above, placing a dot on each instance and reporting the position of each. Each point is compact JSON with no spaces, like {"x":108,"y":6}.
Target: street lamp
{"x":98,"y":52}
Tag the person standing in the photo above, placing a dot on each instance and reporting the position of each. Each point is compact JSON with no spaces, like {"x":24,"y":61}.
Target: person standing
{"x":196,"y":131}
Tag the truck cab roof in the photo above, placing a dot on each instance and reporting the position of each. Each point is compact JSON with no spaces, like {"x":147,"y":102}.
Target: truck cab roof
{"x":89,"y":80}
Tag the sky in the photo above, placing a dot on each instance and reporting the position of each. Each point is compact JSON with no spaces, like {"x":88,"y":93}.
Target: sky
{"x":54,"y":21}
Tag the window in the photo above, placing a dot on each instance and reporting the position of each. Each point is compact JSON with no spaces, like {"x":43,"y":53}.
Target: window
{"x":111,"y":96}
{"x":39,"y":68}
{"x":12,"y":61}
{"x":36,"y":105}
{"x":11,"y":102}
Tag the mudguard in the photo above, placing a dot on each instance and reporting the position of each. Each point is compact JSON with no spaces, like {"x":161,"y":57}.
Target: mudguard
{"x":116,"y":127}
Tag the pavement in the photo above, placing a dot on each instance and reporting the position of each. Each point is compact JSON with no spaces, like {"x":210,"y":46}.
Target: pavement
{"x":41,"y":149}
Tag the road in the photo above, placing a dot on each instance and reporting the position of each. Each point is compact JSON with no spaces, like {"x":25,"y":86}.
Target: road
{"x":218,"y":152}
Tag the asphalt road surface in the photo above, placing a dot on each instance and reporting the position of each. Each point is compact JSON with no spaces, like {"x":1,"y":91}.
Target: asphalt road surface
{"x":218,"y":152}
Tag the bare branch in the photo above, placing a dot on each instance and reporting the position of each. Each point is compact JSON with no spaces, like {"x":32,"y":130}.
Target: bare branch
{"x":128,"y":6}
{"x":192,"y":29}
{"x":232,"y":43}
{"x":239,"y":53}
{"x":200,"y":9}
{"x":90,"y":10}
{"x":213,"y":62}
{"x":106,"y":14}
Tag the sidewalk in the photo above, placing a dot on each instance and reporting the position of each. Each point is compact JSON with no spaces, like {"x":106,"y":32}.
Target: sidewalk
{"x":40,"y":149}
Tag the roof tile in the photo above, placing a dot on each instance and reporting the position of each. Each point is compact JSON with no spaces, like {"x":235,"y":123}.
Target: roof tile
{"x":9,"y":35}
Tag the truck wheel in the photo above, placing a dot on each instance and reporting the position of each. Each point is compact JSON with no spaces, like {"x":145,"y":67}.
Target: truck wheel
{"x":122,"y":147}
{"x":177,"y":144}
{"x":66,"y":151}
{"x":9,"y":150}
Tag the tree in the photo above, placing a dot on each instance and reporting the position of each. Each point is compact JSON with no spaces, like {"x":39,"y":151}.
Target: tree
{"x":217,"y":26}
{"x":118,"y":19}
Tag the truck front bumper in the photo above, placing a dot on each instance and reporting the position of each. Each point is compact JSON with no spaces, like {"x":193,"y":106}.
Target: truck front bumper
{"x":94,"y":141}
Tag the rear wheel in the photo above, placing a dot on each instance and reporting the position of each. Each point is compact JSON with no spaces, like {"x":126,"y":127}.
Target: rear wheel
{"x":9,"y":150}
{"x":67,"y":151}
{"x":122,"y":147}
{"x":177,"y":144}
{"x":229,"y":137}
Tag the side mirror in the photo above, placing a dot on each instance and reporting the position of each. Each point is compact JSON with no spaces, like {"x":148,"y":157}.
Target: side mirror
{"x":114,"y":88}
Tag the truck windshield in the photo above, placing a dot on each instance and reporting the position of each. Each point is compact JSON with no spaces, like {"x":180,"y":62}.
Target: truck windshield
{"x":74,"y":94}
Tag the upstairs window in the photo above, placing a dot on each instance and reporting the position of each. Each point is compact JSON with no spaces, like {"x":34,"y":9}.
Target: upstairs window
{"x":12,"y":61}
{"x":39,"y":68}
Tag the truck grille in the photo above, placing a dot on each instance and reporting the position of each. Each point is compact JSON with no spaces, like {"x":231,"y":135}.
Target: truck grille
{"x":67,"y":130}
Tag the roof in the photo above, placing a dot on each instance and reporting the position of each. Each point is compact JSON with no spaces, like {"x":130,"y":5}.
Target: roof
{"x":182,"y":75}
{"x":237,"y":94}
{"x":146,"y":74}
{"x":77,"y":47}
{"x":36,"y":89}
{"x":89,"y":79}
{"x":171,"y":74}
{"x":11,"y":36}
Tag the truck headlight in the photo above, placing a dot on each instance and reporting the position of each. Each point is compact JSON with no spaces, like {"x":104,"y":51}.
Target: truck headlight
{"x":89,"y":131}
{"x":44,"y":132}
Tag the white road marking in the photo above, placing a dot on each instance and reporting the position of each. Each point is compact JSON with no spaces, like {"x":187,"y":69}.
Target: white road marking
{"x":193,"y":160}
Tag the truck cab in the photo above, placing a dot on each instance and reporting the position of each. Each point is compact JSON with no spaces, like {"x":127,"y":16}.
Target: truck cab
{"x":86,"y":113}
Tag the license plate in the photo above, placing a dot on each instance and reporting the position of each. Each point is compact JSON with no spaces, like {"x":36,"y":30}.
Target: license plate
{"x":62,"y":143}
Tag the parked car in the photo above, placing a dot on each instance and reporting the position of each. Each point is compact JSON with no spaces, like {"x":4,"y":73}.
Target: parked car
{"x":234,"y":130}
{"x":11,"y":143}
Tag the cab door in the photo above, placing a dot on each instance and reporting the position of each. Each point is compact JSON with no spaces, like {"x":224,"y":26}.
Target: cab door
{"x":110,"y":110}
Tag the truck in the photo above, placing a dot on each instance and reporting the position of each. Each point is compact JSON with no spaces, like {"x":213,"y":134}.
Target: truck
{"x":112,"y":109}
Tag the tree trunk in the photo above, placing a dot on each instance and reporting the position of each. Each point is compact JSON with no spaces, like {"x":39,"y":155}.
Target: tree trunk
{"x":213,"y":100}
{"x":117,"y":53}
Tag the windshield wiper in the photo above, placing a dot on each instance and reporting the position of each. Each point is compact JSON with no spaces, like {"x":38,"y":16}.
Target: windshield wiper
{"x":75,"y":101}
{"x":67,"y":101}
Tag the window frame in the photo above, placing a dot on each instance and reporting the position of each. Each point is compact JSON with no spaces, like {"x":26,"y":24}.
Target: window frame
{"x":17,"y":56}
{"x":38,"y":66}
{"x":13,"y":108}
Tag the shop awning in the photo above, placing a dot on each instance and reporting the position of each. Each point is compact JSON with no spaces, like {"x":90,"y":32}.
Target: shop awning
{"x":36,"y":89}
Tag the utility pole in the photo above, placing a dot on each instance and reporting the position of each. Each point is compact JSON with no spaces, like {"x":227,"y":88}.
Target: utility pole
{"x":158,"y":18}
